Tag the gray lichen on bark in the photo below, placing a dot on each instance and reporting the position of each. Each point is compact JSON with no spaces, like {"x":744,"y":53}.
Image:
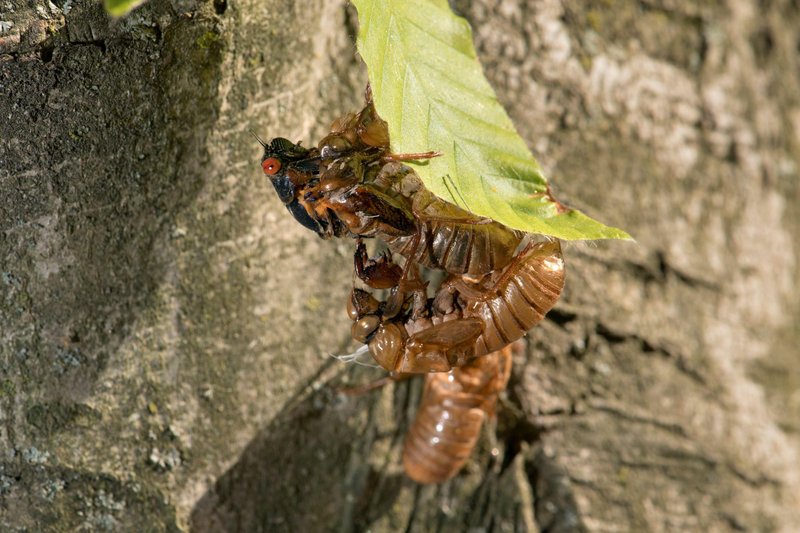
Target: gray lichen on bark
{"x":165,"y":325}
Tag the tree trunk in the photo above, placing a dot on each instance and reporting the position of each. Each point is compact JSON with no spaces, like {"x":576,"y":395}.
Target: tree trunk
{"x":166,"y":325}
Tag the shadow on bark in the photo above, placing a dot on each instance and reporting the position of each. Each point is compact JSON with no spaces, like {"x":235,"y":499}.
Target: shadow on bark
{"x":342,"y":491}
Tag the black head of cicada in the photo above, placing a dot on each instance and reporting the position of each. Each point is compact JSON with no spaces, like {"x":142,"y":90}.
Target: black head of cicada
{"x":293,"y":170}
{"x":285,"y":161}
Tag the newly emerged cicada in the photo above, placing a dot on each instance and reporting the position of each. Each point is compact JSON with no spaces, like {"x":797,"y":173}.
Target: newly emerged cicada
{"x":498,"y":282}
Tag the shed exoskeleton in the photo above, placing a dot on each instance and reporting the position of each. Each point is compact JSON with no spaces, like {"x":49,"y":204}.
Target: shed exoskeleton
{"x":351,"y":185}
{"x":465,"y":319}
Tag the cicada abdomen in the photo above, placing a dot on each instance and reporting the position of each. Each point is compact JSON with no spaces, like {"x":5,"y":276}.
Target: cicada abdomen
{"x":512,"y":301}
{"x":450,"y":416}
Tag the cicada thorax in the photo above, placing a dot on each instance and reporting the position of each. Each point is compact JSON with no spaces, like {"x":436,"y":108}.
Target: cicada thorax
{"x":453,"y":408}
{"x":368,"y":211}
{"x":363,"y":132}
{"x":445,"y":237}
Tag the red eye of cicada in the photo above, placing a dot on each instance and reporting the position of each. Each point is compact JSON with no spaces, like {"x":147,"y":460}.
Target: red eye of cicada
{"x":271,"y":166}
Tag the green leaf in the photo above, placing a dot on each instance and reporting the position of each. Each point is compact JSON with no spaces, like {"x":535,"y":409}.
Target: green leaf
{"x":428,"y":85}
{"x":119,"y":8}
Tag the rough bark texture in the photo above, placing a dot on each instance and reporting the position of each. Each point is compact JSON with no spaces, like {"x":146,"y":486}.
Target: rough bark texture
{"x":165,"y":325}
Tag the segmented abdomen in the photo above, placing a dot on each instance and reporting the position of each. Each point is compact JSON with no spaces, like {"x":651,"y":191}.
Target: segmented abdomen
{"x":523,"y":293}
{"x":454,"y":240}
{"x":448,"y":422}
{"x":459,"y":248}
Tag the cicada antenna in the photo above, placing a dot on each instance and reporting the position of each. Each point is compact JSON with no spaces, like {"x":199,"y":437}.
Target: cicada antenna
{"x":262,"y":143}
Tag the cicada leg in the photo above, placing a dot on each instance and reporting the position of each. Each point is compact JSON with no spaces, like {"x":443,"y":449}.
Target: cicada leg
{"x":414,"y":156}
{"x":360,"y":390}
{"x":437,"y":348}
{"x":380,"y":273}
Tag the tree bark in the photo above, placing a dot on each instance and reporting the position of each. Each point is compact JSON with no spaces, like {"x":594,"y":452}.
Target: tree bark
{"x":166,"y":326}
